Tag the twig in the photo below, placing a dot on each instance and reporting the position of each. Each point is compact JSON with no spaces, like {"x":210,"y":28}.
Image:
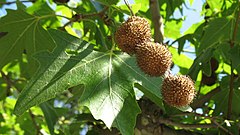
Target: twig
{"x":235,"y":28}
{"x":79,"y":17}
{"x":34,"y":122}
{"x":229,"y":112}
{"x":129,"y":7}
{"x":9,"y":82}
{"x":186,"y":126}
{"x":184,"y":50}
{"x":200,"y":102}
{"x":200,"y":87}
{"x":213,"y":120}
{"x":157,"y":21}
{"x":230,"y":96}
{"x":12,"y":2}
{"x":221,"y":127}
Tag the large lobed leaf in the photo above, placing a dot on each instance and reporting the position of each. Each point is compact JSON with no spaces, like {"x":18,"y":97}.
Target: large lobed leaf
{"x":22,"y":32}
{"x":216,"y":32}
{"x":108,"y":79}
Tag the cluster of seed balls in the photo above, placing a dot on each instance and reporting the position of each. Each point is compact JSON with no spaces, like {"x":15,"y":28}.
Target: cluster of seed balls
{"x":134,"y":37}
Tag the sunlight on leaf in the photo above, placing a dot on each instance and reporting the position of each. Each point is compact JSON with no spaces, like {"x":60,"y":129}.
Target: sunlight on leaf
{"x":23,"y":33}
{"x":185,"y":109}
{"x":108,"y":80}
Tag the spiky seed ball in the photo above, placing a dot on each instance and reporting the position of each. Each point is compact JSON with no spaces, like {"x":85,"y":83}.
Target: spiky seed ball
{"x":214,"y":64}
{"x":209,"y":80}
{"x":178,"y":90}
{"x":153,"y":59}
{"x":135,"y":30}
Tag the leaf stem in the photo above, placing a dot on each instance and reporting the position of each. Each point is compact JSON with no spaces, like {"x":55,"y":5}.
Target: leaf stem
{"x":34,"y":122}
{"x":232,"y":41}
{"x":129,"y":7}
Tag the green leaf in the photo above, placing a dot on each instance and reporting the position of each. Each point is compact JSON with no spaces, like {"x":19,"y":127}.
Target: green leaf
{"x":154,"y":96}
{"x":172,"y":29}
{"x":23,"y":33}
{"x":181,"y":60}
{"x":124,"y":8}
{"x":108,"y":2}
{"x":26,"y":124}
{"x":216,"y":5}
{"x":50,"y":115}
{"x":20,"y":5}
{"x":144,"y":4}
{"x":197,"y":64}
{"x":234,"y":54}
{"x":76,"y":92}
{"x":191,"y":2}
{"x":108,"y":80}
{"x":2,"y":2}
{"x":206,"y":67}
{"x":182,"y":40}
{"x":2,"y":34}
{"x":168,"y":7}
{"x":216,"y":31}
{"x":4,"y":90}
{"x":41,"y":8}
{"x":221,"y":99}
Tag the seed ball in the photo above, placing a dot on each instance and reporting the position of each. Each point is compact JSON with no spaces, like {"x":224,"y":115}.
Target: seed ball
{"x":153,"y":59}
{"x":135,"y":30}
{"x":178,"y":90}
{"x":214,"y":64}
{"x":209,"y":80}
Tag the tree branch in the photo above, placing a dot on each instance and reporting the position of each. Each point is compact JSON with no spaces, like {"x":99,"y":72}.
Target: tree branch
{"x":9,"y":82}
{"x":34,"y":122}
{"x":213,"y":120}
{"x":229,"y":112}
{"x":221,"y":127}
{"x":200,"y":102}
{"x":186,"y":126}
{"x":157,"y":21}
{"x":79,"y":17}
{"x":184,"y":50}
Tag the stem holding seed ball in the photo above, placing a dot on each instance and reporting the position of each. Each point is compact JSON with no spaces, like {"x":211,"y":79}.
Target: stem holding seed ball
{"x":129,"y":7}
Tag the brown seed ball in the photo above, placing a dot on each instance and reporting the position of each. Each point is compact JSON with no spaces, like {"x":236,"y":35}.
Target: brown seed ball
{"x":209,"y":80}
{"x":178,"y":91}
{"x":135,"y":30}
{"x":214,"y":64}
{"x":153,"y":59}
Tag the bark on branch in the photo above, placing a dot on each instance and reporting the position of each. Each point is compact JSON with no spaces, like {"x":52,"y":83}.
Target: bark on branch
{"x":201,"y":101}
{"x":185,"y":126}
{"x":157,"y":21}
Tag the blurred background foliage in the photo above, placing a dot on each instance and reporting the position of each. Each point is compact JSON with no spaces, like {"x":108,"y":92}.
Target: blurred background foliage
{"x":208,"y":51}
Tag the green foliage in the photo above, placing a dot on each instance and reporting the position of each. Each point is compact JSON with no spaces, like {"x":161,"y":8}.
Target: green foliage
{"x":62,"y":73}
{"x":23,"y":33}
